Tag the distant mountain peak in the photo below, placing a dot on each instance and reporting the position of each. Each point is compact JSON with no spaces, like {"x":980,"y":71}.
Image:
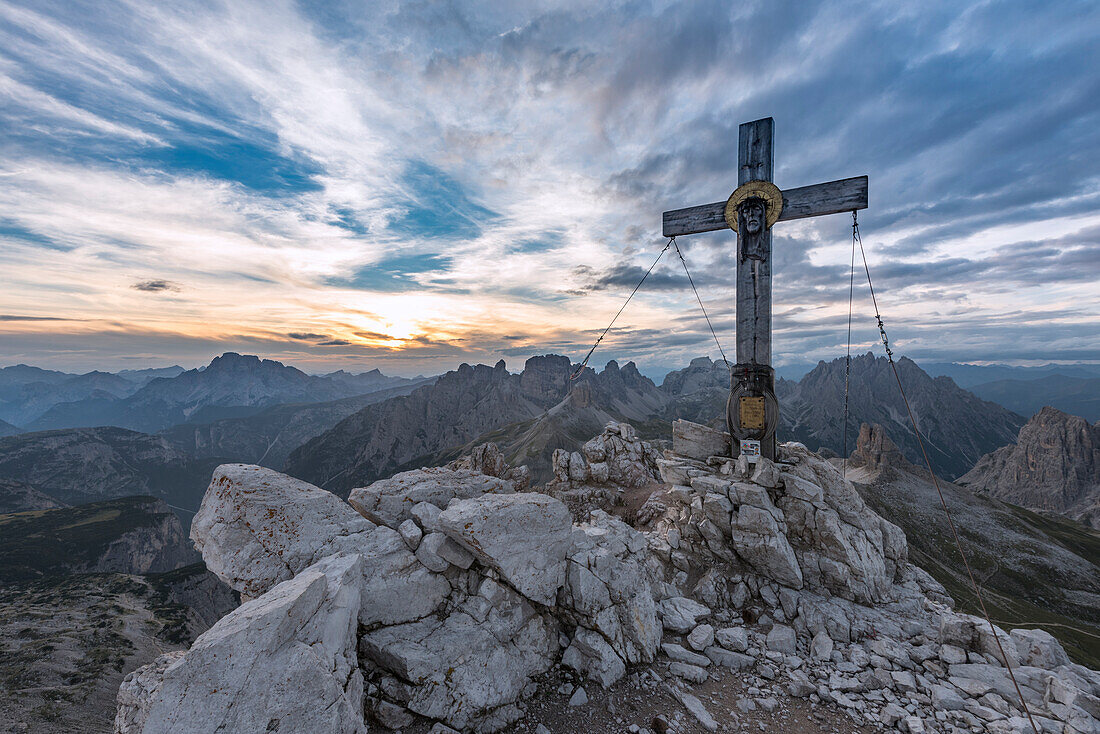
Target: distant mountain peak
{"x":1054,"y":466}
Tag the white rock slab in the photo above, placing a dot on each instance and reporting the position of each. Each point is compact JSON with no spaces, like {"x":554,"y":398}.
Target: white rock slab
{"x":285,"y":661}
{"x":476,"y":660}
{"x":390,"y":501}
{"x":525,"y":537}
{"x":256,"y":527}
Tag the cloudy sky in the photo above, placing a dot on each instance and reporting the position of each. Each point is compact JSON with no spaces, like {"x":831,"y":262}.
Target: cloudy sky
{"x":411,"y":185}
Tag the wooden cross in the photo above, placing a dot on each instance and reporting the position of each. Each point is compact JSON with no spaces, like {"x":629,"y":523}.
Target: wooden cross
{"x":752,"y":412}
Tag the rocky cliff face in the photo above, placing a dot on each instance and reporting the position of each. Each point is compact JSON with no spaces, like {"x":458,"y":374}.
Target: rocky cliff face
{"x":958,"y":427}
{"x":19,"y":497}
{"x":1054,"y":466}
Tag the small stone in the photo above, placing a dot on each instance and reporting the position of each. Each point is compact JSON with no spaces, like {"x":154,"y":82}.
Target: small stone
{"x":579,"y":697}
{"x":428,"y":552}
{"x":679,"y":654}
{"x":821,"y":648}
{"x":680,"y":614}
{"x":689,"y":672}
{"x":800,"y":685}
{"x":426,"y":514}
{"x":701,"y":637}
{"x":768,"y":704}
{"x":952,"y":655}
{"x":766,"y":474}
{"x":891,"y":714}
{"x":455,"y":554}
{"x":781,"y":638}
{"x":392,"y":716}
{"x":728,"y":658}
{"x":696,"y":708}
{"x":410,"y":533}
{"x":946,"y":699}
{"x":733,"y":638}
{"x":913,"y":725}
{"x":541,"y":729}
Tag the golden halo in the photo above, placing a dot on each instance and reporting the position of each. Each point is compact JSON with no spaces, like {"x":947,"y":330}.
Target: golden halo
{"x":766,"y":190}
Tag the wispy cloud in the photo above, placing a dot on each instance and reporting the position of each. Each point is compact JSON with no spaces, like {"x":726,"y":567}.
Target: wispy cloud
{"x":434,"y":183}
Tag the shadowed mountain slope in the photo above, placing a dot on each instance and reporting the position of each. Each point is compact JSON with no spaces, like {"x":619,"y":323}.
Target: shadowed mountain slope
{"x":89,"y":464}
{"x":268,"y":437}
{"x":464,"y":406}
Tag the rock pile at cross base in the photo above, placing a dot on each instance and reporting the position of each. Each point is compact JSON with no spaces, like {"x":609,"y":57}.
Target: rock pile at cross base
{"x":443,"y":597}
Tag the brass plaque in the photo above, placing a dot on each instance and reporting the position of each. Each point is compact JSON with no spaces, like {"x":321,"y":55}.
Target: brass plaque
{"x":752,"y":413}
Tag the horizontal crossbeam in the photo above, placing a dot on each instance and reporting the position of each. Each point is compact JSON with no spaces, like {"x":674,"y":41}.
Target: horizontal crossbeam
{"x":845,"y":195}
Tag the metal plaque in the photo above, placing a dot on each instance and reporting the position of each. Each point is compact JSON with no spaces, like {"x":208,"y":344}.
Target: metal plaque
{"x":750,"y":450}
{"x":752,"y":413}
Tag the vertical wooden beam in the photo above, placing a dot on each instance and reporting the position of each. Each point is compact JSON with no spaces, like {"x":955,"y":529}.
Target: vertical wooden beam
{"x":754,"y":150}
{"x":754,"y":277}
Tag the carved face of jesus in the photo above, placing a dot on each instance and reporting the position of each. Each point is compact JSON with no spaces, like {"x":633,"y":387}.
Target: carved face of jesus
{"x":752,"y":212}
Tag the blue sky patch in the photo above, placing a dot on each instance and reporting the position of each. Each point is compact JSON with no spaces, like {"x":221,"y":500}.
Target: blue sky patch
{"x":435,"y":205}
{"x":395,"y":273}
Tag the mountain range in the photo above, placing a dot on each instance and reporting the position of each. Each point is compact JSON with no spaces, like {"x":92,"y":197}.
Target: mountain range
{"x":242,"y":408}
{"x":531,"y":413}
{"x":232,"y":385}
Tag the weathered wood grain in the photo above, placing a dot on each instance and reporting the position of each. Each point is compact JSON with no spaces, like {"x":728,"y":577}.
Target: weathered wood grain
{"x":754,"y":277}
{"x":754,"y":151}
{"x":844,"y":195}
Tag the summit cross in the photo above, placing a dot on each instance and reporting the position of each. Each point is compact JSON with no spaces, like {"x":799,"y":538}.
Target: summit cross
{"x":752,"y":412}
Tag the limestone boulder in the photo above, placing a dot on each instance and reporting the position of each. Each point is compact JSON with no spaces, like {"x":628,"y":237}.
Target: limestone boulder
{"x":1039,"y":648}
{"x":681,"y":615}
{"x":525,"y":537}
{"x":607,"y":588}
{"x":285,"y":661}
{"x":592,"y":656}
{"x":475,"y":661}
{"x":390,"y":501}
{"x":756,"y":537}
{"x":256,"y":527}
{"x":396,"y":585}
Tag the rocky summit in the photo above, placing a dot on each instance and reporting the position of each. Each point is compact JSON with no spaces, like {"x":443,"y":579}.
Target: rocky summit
{"x":449,"y":600}
{"x":1054,"y":466}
